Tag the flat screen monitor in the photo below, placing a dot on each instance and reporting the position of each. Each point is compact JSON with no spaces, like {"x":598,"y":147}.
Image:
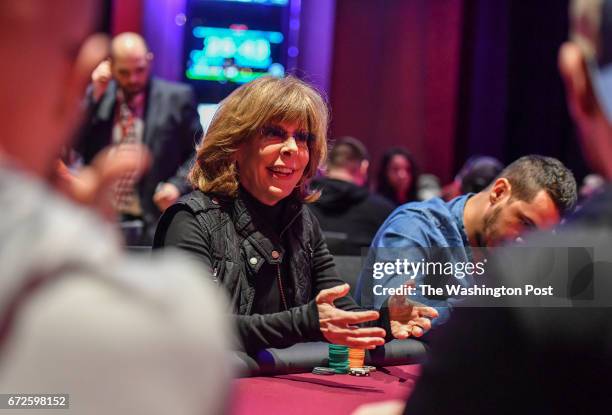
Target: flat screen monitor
{"x":231,"y":42}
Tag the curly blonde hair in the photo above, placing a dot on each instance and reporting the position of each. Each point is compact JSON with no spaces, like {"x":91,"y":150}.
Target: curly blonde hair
{"x":241,"y":117}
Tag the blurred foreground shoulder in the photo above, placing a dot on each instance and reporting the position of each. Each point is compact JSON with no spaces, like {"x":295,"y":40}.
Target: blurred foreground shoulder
{"x":148,"y":336}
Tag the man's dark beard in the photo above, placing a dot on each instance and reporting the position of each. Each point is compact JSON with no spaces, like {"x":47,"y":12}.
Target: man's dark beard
{"x":129,"y":95}
{"x":489,"y":221}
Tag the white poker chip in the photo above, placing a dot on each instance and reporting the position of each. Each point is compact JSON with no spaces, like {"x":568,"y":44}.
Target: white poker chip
{"x":320,"y":370}
{"x":359,"y":371}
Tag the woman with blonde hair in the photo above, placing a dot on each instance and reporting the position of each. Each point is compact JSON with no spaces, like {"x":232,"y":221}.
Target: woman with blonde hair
{"x":246,"y":220}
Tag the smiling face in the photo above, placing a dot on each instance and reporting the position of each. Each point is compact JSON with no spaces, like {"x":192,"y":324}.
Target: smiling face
{"x":273,"y":162}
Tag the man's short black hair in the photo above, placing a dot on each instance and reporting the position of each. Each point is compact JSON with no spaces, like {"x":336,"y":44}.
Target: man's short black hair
{"x":530,"y":174}
{"x":348,"y":152}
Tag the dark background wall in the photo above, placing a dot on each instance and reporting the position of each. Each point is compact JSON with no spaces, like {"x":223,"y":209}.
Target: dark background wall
{"x":395,"y":77}
{"x":511,"y":87}
{"x":446,"y":78}
{"x":537,"y":115}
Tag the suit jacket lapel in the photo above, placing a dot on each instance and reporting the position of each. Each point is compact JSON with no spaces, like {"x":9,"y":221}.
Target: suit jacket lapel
{"x":107,"y":105}
{"x":151,"y":111}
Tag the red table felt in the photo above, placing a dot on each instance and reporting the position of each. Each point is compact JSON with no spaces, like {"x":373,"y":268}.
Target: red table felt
{"x":306,"y":393}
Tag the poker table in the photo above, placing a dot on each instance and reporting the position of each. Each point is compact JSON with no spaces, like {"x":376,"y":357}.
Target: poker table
{"x":306,"y":393}
{"x":280,"y":380}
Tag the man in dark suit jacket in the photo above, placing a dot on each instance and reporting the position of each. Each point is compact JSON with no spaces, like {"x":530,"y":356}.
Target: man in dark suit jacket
{"x":125,"y":105}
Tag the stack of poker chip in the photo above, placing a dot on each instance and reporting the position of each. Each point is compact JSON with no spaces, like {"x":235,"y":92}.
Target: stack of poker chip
{"x":339,"y":358}
{"x":356,"y":357}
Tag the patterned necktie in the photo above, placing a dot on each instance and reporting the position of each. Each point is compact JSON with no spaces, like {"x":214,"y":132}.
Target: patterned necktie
{"x":125,"y":197}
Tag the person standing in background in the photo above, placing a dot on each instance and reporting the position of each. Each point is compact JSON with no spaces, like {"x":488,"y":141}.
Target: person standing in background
{"x":125,"y":105}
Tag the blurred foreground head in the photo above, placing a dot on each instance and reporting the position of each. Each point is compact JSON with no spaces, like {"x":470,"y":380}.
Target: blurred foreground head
{"x":47,"y":52}
{"x":585,"y":63}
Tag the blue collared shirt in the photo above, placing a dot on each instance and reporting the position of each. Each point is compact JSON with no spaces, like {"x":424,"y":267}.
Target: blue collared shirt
{"x":413,"y":232}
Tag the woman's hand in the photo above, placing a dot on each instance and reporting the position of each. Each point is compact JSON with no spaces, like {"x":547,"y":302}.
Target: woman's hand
{"x":338,"y":326}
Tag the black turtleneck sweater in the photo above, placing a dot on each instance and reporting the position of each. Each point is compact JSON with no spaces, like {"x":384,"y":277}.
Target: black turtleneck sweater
{"x":185,"y":232}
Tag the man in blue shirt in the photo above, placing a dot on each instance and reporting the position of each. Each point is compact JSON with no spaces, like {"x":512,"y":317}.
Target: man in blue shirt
{"x":535,"y":360}
{"x":432,"y":242}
